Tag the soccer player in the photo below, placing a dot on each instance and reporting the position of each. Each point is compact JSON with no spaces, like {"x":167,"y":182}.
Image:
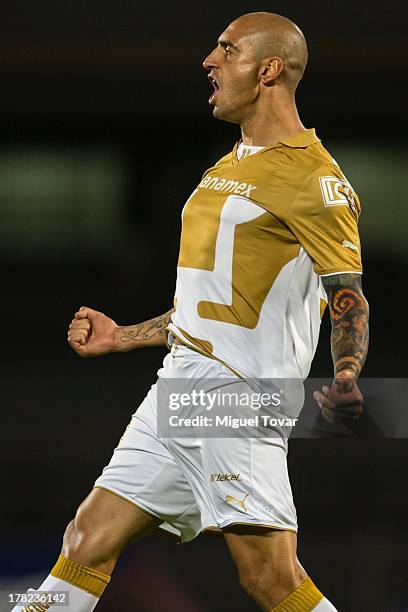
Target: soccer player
{"x":269,"y":237}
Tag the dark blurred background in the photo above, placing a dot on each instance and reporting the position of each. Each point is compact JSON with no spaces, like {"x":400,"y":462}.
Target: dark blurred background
{"x":104,"y":132}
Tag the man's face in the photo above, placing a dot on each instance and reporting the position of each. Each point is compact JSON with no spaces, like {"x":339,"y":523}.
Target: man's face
{"x":233,"y":72}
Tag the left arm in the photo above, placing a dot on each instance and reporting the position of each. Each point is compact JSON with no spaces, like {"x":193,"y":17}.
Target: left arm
{"x":349,"y":345}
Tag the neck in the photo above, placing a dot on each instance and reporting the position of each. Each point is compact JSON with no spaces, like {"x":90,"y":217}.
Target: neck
{"x":272,"y":121}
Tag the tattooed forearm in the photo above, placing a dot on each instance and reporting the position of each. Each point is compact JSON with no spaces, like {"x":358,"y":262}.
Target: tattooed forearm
{"x":149,"y":333}
{"x":349,"y":315}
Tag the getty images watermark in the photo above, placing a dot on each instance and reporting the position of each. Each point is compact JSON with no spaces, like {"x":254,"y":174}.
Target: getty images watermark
{"x":225,"y":408}
{"x":253,"y":408}
{"x":221,"y":399}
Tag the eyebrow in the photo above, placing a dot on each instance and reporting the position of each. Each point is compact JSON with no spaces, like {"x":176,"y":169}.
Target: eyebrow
{"x":226,"y":43}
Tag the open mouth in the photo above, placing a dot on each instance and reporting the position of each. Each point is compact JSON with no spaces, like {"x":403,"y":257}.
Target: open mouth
{"x":215,"y":87}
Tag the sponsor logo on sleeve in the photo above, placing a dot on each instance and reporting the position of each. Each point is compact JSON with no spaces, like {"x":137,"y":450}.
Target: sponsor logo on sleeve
{"x":337,"y":192}
{"x":349,"y":245}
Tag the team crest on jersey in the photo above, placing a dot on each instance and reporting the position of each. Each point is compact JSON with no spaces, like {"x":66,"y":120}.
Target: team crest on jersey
{"x":337,"y":192}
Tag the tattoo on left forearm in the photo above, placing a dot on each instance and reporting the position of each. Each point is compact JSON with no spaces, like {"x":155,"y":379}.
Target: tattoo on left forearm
{"x":349,"y":315}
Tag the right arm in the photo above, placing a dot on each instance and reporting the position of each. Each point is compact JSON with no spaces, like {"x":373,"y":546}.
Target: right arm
{"x":91,"y":333}
{"x":150,"y":333}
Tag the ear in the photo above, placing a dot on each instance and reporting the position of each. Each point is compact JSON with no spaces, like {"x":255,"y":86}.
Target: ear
{"x":270,"y":70}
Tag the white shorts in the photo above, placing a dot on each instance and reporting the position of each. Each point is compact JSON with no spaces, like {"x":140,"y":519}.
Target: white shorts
{"x":198,"y":484}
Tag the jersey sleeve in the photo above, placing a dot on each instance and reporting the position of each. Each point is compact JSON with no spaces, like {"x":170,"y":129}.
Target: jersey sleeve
{"x":324,"y":218}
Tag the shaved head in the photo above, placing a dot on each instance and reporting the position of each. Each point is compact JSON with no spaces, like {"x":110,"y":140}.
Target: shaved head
{"x":272,"y":35}
{"x":255,"y":68}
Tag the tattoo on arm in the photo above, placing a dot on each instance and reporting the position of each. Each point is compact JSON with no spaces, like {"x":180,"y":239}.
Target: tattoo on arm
{"x":349,"y":316}
{"x":151,"y":332}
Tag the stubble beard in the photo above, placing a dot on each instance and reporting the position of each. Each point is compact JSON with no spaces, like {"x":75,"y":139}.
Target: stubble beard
{"x":226,"y":112}
{"x":235,"y":113}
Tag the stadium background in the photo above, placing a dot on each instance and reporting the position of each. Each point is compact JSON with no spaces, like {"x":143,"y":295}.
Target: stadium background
{"x":105,"y":130}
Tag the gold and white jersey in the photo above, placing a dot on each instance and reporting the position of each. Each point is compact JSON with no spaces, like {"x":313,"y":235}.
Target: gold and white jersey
{"x":257,"y":235}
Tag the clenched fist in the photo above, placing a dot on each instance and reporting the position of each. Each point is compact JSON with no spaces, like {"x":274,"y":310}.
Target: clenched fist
{"x":342,"y":401}
{"x":92,"y":333}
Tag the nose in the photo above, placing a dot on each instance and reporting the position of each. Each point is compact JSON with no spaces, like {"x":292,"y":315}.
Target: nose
{"x":209,"y":61}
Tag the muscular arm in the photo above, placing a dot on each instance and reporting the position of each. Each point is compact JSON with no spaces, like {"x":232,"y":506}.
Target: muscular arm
{"x":150,"y":333}
{"x":349,"y":316}
{"x":342,"y":400}
{"x":91,"y":333}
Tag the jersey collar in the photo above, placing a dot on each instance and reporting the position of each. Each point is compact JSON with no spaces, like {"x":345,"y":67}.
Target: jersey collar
{"x":299,"y":141}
